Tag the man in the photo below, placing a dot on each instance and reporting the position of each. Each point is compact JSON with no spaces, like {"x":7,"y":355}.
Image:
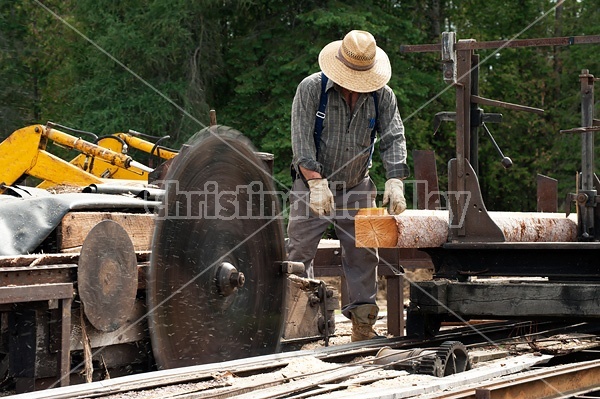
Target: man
{"x":332,"y":163}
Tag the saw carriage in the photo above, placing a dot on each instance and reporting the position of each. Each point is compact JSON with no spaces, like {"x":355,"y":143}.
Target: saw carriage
{"x":490,"y":264}
{"x":183,"y":264}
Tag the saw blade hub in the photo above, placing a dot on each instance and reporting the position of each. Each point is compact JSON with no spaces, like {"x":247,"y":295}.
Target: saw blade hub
{"x":228,"y":279}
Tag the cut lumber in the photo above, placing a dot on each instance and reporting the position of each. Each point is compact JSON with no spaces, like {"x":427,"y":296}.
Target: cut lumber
{"x":412,"y":229}
{"x":75,"y":227}
{"x":429,"y":228}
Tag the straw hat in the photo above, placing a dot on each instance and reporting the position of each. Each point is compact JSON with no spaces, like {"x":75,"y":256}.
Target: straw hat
{"x":356,"y":63}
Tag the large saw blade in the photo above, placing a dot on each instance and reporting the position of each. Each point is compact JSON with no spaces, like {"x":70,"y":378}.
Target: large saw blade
{"x":215,"y":291}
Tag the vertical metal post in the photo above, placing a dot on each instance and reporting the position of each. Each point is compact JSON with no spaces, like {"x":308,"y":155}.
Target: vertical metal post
{"x":586,"y":207}
{"x":463,"y":123}
{"x":469,"y":219}
{"x":475,"y":112}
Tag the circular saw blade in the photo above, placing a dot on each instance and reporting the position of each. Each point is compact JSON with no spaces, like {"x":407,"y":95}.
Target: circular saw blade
{"x":220,"y":215}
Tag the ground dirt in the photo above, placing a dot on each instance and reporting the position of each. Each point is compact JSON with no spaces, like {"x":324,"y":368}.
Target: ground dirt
{"x":343,"y":326}
{"x":410,"y":275}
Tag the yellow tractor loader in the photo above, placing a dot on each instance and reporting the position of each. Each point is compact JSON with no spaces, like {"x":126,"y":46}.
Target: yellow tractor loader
{"x":24,"y":152}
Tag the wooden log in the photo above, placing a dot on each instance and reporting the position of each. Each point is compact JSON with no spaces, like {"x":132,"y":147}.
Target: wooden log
{"x":75,"y":226}
{"x":412,"y":229}
{"x":375,"y":229}
{"x":429,"y":228}
{"x":536,"y":227}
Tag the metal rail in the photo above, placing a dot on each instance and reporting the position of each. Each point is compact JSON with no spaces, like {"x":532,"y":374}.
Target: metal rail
{"x":560,"y":381}
{"x":308,"y":383}
{"x":473,"y":45}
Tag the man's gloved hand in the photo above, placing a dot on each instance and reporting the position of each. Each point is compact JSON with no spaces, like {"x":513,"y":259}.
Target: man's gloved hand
{"x":321,"y":198}
{"x":394,"y":194}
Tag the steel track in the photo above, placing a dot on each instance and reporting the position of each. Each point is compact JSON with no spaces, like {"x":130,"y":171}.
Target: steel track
{"x":311,"y":383}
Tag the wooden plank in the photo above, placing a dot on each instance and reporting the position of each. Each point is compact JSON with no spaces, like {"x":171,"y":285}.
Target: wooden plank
{"x":498,"y":299}
{"x":429,"y":228}
{"x":32,"y":293}
{"x":524,"y":299}
{"x":75,"y":226}
{"x":464,"y":385}
{"x":38,"y":260}
{"x":64,"y":351}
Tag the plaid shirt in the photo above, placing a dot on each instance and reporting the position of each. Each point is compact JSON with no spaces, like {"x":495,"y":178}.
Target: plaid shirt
{"x":345,"y":141}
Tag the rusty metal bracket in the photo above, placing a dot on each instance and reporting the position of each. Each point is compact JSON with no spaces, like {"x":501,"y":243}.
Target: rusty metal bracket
{"x":570,"y":198}
{"x":442,"y":117}
{"x":426,"y":180}
{"x":547,"y":194}
{"x":477,"y":118}
{"x":449,"y":57}
{"x":469,"y":218}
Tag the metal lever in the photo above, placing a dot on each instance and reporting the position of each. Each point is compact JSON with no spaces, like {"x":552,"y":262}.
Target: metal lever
{"x":442,"y":117}
{"x":506,"y":161}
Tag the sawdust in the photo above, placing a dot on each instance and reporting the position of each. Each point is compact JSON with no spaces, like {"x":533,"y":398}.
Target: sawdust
{"x":64,"y":189}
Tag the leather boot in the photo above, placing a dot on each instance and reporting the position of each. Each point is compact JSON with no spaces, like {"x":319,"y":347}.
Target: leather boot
{"x":363,"y":318}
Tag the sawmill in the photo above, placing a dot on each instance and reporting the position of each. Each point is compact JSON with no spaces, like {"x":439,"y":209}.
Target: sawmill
{"x":118,"y":266}
{"x":109,"y":264}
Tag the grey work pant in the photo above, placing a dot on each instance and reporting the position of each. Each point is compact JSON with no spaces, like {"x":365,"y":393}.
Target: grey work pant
{"x":305,"y":230}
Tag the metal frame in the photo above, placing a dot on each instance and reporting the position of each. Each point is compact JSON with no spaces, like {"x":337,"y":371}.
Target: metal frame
{"x":476,"y":245}
{"x":46,"y":292}
{"x":469,"y":219}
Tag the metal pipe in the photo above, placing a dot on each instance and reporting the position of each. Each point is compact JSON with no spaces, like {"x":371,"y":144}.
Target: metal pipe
{"x":587,"y":156}
{"x":146,"y":193}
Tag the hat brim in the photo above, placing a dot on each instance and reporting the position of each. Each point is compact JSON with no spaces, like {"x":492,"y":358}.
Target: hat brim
{"x":359,"y":81}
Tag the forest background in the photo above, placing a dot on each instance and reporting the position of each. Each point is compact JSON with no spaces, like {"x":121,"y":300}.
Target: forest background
{"x":158,"y":66}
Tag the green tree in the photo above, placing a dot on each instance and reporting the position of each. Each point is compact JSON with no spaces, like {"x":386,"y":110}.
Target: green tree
{"x":26,"y":39}
{"x":143,"y":65}
{"x":280,"y":46}
{"x":158,"y":66}
{"x":537,"y":77}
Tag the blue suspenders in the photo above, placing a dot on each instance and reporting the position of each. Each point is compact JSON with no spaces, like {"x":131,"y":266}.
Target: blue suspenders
{"x":320,"y":117}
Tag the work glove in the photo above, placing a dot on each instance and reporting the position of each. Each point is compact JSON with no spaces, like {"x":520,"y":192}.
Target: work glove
{"x":394,"y":194}
{"x":321,"y":198}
